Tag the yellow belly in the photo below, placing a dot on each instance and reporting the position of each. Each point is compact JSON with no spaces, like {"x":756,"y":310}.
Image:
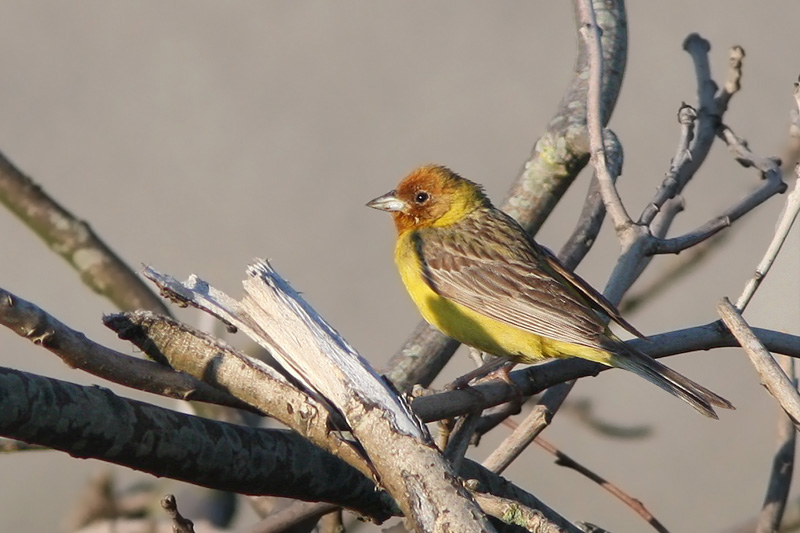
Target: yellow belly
{"x":461,"y":323}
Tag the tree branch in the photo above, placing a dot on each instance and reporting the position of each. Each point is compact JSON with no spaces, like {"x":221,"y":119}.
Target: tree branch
{"x":398,"y":447}
{"x":687,"y":116}
{"x":226,"y":369}
{"x":780,"y":479}
{"x":785,"y":223}
{"x":99,"y":267}
{"x":772,"y":184}
{"x":562,"y":459}
{"x":591,"y":32}
{"x":773,"y":378}
{"x":31,"y":322}
{"x":533,"y":380}
{"x":166,"y":443}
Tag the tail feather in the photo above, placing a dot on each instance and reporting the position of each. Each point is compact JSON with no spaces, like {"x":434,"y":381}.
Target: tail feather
{"x":674,"y":383}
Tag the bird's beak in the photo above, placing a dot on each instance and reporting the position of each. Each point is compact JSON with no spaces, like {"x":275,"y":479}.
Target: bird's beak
{"x":388,"y":202}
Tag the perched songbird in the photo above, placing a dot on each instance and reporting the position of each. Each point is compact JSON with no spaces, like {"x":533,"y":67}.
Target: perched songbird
{"x":479,"y":278}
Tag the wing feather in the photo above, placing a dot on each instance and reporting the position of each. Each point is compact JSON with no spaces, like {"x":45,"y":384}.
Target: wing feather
{"x":488,"y":264}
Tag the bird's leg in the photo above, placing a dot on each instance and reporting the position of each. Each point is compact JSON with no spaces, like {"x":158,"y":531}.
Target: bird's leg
{"x":480,"y":372}
{"x":503,"y":373}
{"x":496,"y":368}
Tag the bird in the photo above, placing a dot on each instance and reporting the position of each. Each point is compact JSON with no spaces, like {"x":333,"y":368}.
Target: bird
{"x":477,"y":276}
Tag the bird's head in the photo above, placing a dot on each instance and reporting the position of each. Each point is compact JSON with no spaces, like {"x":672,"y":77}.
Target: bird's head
{"x":431,"y":196}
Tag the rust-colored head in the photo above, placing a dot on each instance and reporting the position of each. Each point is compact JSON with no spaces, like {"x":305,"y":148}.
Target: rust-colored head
{"x":431,"y":195}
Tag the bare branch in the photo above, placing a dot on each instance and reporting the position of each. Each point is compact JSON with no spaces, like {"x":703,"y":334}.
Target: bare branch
{"x":771,"y":185}
{"x":590,"y":32}
{"x":782,"y":466}
{"x":791,"y":151}
{"x":594,"y":210}
{"x":781,"y":232}
{"x":205,"y":452}
{"x":684,"y":264}
{"x":734,"y":80}
{"x":638,"y":507}
{"x":772,"y":377}
{"x":292,"y":515}
{"x":710,"y":109}
{"x":31,"y":322}
{"x":73,"y":239}
{"x":534,"y":380}
{"x":697,"y":136}
{"x":536,"y":421}
{"x":698,"y":48}
{"x":224,"y":368}
{"x":687,"y":116}
{"x":460,"y":438}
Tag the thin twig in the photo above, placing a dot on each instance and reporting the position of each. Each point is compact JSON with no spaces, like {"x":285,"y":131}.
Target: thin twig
{"x":292,"y":515}
{"x":733,"y":82}
{"x":536,"y":421}
{"x":791,"y":151}
{"x":771,"y":185}
{"x":460,"y":438}
{"x":179,"y":523}
{"x":31,"y":322}
{"x":682,"y":265}
{"x":773,"y":378}
{"x":687,"y":116}
{"x":780,"y":479}
{"x":590,"y":33}
{"x":635,"y":504}
{"x":781,"y":231}
{"x":593,"y":213}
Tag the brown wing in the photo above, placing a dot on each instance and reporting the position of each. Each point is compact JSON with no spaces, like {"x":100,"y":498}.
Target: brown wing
{"x":595,"y":298}
{"x":488,"y":264}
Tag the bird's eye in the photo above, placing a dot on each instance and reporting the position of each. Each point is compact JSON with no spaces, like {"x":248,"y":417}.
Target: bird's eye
{"x":421,"y":197}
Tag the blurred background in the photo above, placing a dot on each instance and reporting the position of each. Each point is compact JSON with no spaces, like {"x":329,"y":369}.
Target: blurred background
{"x":195,"y":136}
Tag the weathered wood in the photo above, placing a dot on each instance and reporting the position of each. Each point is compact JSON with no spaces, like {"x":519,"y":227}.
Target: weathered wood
{"x":404,"y":458}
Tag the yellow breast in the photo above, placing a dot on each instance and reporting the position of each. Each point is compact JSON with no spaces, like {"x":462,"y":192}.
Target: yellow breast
{"x":461,"y":323}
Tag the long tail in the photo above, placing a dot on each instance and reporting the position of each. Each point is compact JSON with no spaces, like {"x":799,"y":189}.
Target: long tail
{"x":674,"y":383}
